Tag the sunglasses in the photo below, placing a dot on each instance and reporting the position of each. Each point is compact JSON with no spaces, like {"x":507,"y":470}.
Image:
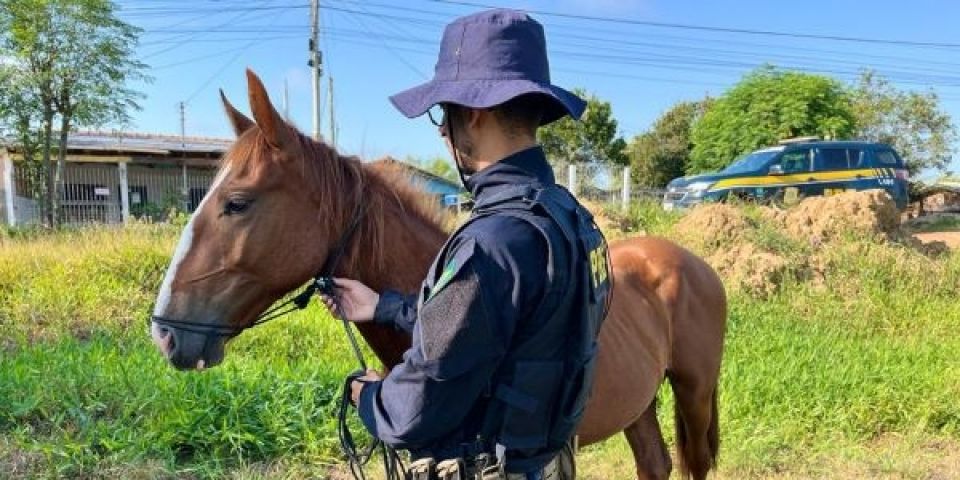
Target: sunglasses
{"x":435,"y":112}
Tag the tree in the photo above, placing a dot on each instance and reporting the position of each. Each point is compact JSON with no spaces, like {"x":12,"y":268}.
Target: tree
{"x":71,"y":60}
{"x":913,"y":123}
{"x":17,"y":116}
{"x":438,"y":166}
{"x":592,"y":140}
{"x":662,"y":153}
{"x":766,"y":106}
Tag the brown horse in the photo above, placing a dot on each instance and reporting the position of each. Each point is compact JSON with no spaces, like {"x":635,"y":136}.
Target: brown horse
{"x":282,"y":201}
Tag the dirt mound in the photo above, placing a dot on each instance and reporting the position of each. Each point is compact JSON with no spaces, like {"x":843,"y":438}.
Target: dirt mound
{"x":936,"y":243}
{"x":609,"y":224}
{"x":819,"y":219}
{"x":758,"y":249}
{"x":751,"y":269}
{"x":943,"y":201}
{"x":713,"y":225}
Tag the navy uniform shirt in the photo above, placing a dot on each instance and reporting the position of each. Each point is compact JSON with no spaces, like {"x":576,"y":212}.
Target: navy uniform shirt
{"x":492,"y":277}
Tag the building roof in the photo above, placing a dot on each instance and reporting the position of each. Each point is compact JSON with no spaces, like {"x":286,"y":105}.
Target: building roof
{"x":143,"y":143}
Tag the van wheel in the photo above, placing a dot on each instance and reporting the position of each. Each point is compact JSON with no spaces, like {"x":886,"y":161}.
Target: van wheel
{"x":780,"y":200}
{"x":741,"y":198}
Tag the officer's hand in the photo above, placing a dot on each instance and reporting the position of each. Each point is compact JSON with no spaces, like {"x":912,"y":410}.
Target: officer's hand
{"x":353,"y":300}
{"x":357,"y":386}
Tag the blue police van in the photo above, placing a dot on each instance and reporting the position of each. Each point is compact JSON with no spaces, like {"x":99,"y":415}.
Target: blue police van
{"x":795,"y":169}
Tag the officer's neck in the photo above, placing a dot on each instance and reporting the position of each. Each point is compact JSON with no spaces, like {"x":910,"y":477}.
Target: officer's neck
{"x":497,"y":146}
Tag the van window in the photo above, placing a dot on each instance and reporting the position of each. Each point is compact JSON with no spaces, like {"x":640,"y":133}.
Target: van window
{"x":886,"y":158}
{"x":796,"y":161}
{"x":857,"y":158}
{"x":832,"y":159}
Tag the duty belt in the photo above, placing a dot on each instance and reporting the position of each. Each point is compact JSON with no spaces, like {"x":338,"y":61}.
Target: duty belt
{"x":478,"y":469}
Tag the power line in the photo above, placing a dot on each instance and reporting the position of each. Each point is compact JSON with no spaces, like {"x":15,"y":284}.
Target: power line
{"x":393,"y":25}
{"x":697,"y":64}
{"x":154,"y":11}
{"x":219,"y":71}
{"x":214,"y":55}
{"x":584,"y":52}
{"x":812,"y":64}
{"x":611,"y":38}
{"x":223,"y":67}
{"x":706,"y":28}
{"x":228,"y":39}
{"x":232,"y":20}
{"x":612,"y":50}
{"x":630,"y":37}
{"x":387,"y":46}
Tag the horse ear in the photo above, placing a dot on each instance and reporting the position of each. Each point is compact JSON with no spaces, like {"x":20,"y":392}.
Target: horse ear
{"x":239,"y":121}
{"x":274,"y":128}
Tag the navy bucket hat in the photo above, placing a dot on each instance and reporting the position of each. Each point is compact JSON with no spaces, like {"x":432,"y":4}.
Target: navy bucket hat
{"x":487,"y":59}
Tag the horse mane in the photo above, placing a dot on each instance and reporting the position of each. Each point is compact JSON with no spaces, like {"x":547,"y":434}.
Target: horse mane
{"x":382,"y":189}
{"x":399,"y":181}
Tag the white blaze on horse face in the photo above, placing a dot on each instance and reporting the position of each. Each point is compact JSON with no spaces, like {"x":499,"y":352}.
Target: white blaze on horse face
{"x":183,"y":248}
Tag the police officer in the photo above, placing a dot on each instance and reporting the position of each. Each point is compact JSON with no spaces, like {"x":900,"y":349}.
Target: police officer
{"x":504,"y":328}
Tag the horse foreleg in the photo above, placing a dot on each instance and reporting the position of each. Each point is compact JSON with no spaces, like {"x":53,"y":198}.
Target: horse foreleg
{"x":649,"y":450}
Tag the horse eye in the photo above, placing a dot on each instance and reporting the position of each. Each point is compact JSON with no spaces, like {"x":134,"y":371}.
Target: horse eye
{"x":234,"y":206}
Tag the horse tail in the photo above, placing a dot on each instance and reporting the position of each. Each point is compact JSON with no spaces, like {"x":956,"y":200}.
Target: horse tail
{"x":713,"y":432}
{"x":696,"y":455}
{"x":683,"y":443}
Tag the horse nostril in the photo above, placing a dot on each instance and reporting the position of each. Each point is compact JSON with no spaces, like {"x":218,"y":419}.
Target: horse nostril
{"x":169,"y":340}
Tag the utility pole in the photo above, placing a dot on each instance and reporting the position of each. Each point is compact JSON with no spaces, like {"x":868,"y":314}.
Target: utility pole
{"x":316,"y":63}
{"x":184,"y":188}
{"x":333,"y":125}
{"x":183,"y":124}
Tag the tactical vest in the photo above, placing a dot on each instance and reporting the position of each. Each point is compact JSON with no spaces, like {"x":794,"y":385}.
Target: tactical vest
{"x":539,"y":392}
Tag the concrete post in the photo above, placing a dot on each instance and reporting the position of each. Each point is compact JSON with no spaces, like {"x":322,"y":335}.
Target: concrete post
{"x":7,"y":184}
{"x":124,"y":192}
{"x":185,"y":190}
{"x":572,"y":179}
{"x":625,"y":194}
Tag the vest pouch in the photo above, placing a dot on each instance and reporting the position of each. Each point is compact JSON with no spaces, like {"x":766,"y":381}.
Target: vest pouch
{"x":529,"y":404}
{"x":576,"y":394}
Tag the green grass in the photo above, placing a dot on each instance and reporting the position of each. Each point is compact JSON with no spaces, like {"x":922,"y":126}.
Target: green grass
{"x":944,"y":223}
{"x":814,"y":377}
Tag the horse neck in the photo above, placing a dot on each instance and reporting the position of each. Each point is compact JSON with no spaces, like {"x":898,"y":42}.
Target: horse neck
{"x":396,"y":247}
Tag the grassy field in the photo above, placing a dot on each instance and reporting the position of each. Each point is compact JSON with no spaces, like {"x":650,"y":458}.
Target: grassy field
{"x":856,"y":375}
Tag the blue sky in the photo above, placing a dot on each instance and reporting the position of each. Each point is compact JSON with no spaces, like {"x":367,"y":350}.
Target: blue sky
{"x":374,"y":48}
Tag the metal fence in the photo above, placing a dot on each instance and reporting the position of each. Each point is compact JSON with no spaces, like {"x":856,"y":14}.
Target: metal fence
{"x":94,"y":192}
{"x":605,"y":184}
{"x":155,"y":190}
{"x":115,"y":192}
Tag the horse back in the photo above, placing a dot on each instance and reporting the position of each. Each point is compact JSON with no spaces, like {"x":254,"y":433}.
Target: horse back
{"x":668,"y":308}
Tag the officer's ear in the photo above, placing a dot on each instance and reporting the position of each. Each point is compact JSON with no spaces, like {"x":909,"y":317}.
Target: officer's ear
{"x":474,"y":118}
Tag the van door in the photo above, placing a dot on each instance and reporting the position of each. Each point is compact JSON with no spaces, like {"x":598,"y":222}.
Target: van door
{"x":864,"y":176}
{"x":796,"y":165}
{"x":831,"y":169}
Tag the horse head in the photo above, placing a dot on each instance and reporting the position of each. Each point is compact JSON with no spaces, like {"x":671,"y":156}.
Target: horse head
{"x":265,"y":226}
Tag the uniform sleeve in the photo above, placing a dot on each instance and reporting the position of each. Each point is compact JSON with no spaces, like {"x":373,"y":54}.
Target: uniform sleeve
{"x":461,"y":335}
{"x":397,"y":310}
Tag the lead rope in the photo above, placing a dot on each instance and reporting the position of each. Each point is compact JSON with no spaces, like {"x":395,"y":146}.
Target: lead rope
{"x":393,"y":467}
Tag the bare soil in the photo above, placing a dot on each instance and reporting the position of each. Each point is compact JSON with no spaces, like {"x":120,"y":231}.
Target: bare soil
{"x":950,"y":239}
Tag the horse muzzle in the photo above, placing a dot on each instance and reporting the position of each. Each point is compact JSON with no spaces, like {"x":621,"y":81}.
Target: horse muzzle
{"x":188,"y":350}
